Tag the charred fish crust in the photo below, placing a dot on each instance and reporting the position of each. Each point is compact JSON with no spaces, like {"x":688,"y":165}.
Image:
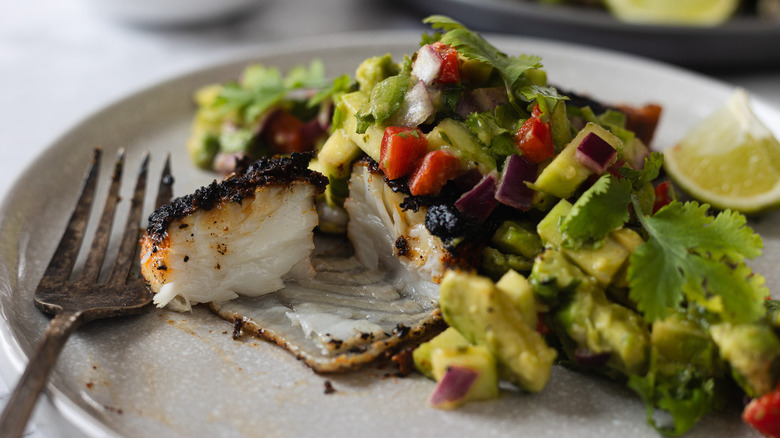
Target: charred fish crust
{"x":276,"y":171}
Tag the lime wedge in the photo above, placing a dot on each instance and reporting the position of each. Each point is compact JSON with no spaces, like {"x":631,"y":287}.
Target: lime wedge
{"x":673,"y":12}
{"x":729,"y":160}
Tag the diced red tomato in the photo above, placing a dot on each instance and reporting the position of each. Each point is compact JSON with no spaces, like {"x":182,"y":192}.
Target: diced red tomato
{"x":435,"y":169}
{"x":534,"y":140}
{"x":401,"y":149}
{"x":284,"y":135}
{"x":763,"y":414}
{"x":662,"y":197}
{"x":449,"y":72}
{"x":536,"y":111}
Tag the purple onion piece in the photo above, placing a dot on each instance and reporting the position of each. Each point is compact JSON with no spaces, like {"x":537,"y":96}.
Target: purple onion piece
{"x":595,"y":153}
{"x":479,"y":202}
{"x":225,"y":164}
{"x":512,"y":190}
{"x":487,"y":99}
{"x":325,"y":115}
{"x":466,"y":105}
{"x":427,"y":64}
{"x":453,"y":386}
{"x":589,"y":359}
{"x":311,"y":131}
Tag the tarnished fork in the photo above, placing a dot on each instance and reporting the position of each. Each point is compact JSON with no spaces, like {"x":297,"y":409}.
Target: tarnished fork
{"x":76,"y":301}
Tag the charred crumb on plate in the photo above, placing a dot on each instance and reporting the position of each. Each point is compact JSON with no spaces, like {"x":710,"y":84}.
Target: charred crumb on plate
{"x":404,"y":360}
{"x":329,"y":389}
{"x":276,"y":171}
{"x":238,"y":329}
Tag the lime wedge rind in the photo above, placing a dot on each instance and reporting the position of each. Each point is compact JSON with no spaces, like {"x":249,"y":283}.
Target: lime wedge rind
{"x":674,"y":12}
{"x":730,"y":160}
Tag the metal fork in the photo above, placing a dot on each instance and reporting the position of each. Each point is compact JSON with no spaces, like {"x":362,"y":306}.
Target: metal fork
{"x":76,"y":301}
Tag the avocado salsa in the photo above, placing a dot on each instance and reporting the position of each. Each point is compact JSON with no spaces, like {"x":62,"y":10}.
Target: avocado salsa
{"x":580,"y":254}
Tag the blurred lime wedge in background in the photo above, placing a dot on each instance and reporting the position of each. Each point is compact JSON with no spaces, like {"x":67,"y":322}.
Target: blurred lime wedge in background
{"x":729,"y":160}
{"x":673,"y":12}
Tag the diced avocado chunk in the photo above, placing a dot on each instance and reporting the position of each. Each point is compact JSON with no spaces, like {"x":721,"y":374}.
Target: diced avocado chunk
{"x":475,"y":358}
{"x":681,"y":340}
{"x":456,"y":137}
{"x":599,"y":326}
{"x":553,"y":273}
{"x":337,"y":155}
{"x":486,"y":316}
{"x":602,"y":262}
{"x":564,"y":175}
{"x":496,"y":263}
{"x":514,"y":238}
{"x":447,"y":339}
{"x":752,"y":351}
{"x":203,"y":146}
{"x":371,"y":140}
{"x":374,"y":70}
{"x":387,"y":97}
{"x":519,"y":292}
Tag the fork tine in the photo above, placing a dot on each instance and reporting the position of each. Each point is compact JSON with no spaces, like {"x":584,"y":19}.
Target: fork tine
{"x":103,"y":233}
{"x":165,"y":190}
{"x":64,"y":258}
{"x":164,"y":195}
{"x":129,"y":242}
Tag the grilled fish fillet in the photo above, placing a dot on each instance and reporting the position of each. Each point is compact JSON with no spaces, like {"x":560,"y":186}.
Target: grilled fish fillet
{"x":239,"y":237}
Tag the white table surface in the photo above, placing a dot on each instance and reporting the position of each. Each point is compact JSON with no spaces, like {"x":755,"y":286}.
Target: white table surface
{"x":60,"y":60}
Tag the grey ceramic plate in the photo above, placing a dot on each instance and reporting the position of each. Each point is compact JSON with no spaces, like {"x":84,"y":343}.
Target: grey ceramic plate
{"x":742,"y":42}
{"x":169,"y":374}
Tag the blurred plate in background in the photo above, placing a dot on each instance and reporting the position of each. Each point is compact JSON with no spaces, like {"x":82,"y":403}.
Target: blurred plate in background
{"x":743,"y":42}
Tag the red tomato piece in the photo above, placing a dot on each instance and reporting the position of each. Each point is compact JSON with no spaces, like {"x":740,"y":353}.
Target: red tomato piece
{"x":283,"y":133}
{"x":449,"y":72}
{"x":435,"y":169}
{"x":763,"y":414}
{"x":662,"y":197}
{"x":536,"y":111}
{"x":401,"y":149}
{"x":534,"y":140}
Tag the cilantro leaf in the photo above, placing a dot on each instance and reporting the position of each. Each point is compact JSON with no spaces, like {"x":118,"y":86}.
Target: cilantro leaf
{"x":692,"y":255}
{"x":472,"y":46}
{"x":340,"y":84}
{"x":601,"y":209}
{"x":443,"y":22}
{"x":261,"y":88}
{"x":649,"y":172}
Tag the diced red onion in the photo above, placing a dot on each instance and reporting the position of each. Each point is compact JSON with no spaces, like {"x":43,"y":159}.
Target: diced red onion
{"x":416,"y":108}
{"x":225,"y":164}
{"x":512,"y":190}
{"x":466,"y":105}
{"x":325,"y":115}
{"x":479,"y":202}
{"x":587,"y":358}
{"x":311,"y":131}
{"x":453,"y":387}
{"x":427,"y":64}
{"x":595,"y":153}
{"x":487,"y":99}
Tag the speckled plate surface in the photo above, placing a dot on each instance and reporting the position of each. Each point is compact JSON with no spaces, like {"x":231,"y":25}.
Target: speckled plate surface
{"x":173,"y":374}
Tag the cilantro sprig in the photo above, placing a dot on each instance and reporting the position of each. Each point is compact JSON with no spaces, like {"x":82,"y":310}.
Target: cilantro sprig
{"x":695,"y":256}
{"x":263,"y":87}
{"x":472,"y":46}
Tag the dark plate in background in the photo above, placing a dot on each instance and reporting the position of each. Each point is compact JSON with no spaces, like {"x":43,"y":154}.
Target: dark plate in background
{"x":742,"y":42}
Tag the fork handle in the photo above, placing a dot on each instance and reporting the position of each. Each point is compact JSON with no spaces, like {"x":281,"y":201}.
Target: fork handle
{"x":20,"y":405}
